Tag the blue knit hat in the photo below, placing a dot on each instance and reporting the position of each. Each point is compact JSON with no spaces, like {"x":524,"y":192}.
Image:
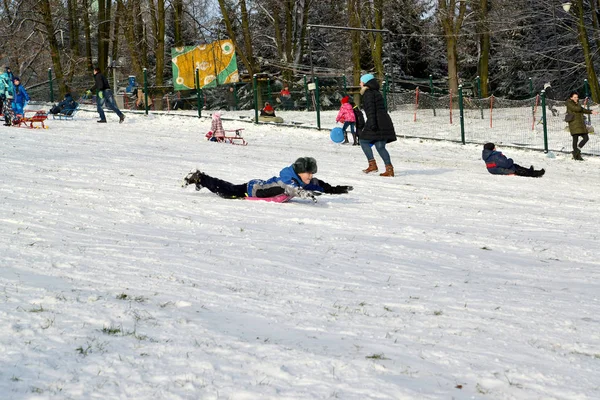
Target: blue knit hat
{"x":366,"y":78}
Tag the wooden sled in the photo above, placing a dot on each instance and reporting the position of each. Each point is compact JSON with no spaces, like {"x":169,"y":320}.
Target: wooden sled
{"x":28,"y":121}
{"x":237,"y":139}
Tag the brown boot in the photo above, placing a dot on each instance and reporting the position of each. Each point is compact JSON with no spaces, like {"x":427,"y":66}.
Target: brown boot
{"x":371,"y":168}
{"x":389,"y":170}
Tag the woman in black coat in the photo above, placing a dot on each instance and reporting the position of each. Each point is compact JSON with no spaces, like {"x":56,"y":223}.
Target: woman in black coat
{"x":378,"y":130}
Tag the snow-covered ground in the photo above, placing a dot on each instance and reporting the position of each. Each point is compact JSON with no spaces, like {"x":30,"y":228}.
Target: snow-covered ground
{"x":443,"y":282}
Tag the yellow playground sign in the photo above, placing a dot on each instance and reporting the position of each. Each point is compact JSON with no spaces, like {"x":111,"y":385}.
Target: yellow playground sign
{"x":215,"y":62}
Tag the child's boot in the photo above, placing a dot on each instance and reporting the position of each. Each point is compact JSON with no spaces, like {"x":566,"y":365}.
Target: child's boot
{"x":371,"y":168}
{"x":577,"y":155}
{"x":345,"y":138}
{"x":355,"y":140}
{"x":389,"y":170}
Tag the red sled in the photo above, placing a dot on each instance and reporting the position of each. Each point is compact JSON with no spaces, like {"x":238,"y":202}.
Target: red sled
{"x":39,"y":117}
{"x":237,"y":139}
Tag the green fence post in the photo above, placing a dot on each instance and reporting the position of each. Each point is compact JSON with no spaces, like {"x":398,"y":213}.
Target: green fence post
{"x":318,"y":102}
{"x":235,"y":96}
{"x":461,"y":113}
{"x":255,"y":90}
{"x":146,"y":90}
{"x":50,"y":80}
{"x":544,"y":122}
{"x":269,"y":91}
{"x":306,"y":92}
{"x":198,"y":93}
{"x":432,"y":92}
{"x":587,"y":96}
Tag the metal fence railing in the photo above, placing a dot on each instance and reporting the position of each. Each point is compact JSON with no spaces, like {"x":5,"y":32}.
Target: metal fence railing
{"x":446,"y":116}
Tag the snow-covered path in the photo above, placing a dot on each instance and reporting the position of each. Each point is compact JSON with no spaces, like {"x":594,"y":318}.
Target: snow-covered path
{"x":443,"y":282}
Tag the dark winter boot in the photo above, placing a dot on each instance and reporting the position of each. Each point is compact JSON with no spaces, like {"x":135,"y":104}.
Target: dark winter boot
{"x":193,"y":178}
{"x":577,"y":155}
{"x":389,"y":170}
{"x":345,"y":138}
{"x":371,"y":168}
{"x":355,"y":140}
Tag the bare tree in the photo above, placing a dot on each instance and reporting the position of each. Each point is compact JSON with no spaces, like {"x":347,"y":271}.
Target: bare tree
{"x":451,"y":15}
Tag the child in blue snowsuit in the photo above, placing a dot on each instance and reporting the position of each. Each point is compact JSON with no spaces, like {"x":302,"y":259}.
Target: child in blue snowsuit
{"x":498,"y":164}
{"x":21,"y":98}
{"x":294,"y":180}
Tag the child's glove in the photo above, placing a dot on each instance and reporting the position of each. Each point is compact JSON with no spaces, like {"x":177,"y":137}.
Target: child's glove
{"x":307,"y":194}
{"x":101,"y":94}
{"x":293,"y":191}
{"x":341,"y":189}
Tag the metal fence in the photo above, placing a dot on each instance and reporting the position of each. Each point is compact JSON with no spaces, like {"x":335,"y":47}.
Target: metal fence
{"x":448,"y":116}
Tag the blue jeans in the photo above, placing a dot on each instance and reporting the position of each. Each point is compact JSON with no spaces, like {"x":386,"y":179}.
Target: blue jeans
{"x":346,"y":124}
{"x":365,"y":145}
{"x":110,"y":103}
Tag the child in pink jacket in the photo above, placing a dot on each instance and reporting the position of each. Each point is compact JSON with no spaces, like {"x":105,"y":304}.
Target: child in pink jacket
{"x":346,"y":117}
{"x":217,"y":126}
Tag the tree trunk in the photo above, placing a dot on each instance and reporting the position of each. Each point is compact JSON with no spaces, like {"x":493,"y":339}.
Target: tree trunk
{"x":289,"y":31}
{"x":451,"y":24}
{"x":595,"y":23}
{"x":73,"y":27}
{"x":246,"y":54}
{"x":484,"y":43}
{"x":129,"y":34}
{"x":140,"y":33}
{"x":354,"y":21}
{"x":115,"y":36}
{"x":178,"y":22}
{"x":378,"y":49}
{"x":46,"y":11}
{"x":587,"y":54}
{"x":88,"y":35}
{"x":103,"y":33}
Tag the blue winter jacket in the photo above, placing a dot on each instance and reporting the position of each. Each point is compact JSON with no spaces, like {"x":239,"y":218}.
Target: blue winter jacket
{"x":7,"y":87}
{"x":497,"y":163}
{"x":287,"y":178}
{"x":21,"y":99}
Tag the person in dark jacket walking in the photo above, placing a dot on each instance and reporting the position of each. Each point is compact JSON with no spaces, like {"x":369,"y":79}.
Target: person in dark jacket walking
{"x":379,"y":129}
{"x":577,"y":124}
{"x":105,"y":95}
{"x":498,"y":164}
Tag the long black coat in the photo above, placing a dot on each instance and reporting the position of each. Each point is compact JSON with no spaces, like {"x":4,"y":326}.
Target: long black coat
{"x":379,"y":125}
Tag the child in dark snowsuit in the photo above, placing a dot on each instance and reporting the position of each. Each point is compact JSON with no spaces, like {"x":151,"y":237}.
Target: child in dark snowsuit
{"x":498,"y":164}
{"x":295,"y":180}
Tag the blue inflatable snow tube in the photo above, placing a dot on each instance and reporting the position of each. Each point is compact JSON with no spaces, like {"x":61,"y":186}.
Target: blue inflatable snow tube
{"x":337,"y":135}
